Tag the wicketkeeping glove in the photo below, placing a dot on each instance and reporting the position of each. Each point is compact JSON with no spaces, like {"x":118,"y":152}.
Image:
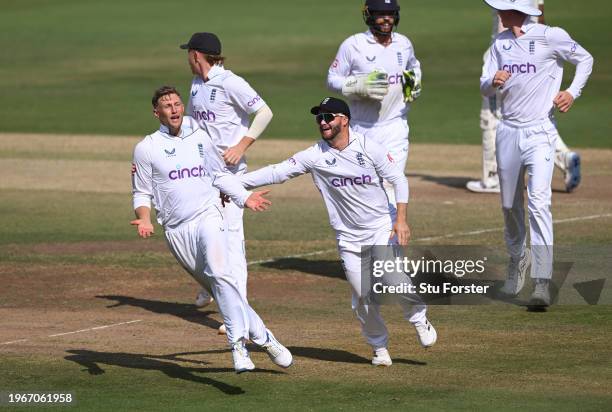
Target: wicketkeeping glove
{"x":373,"y":85}
{"x":411,"y":86}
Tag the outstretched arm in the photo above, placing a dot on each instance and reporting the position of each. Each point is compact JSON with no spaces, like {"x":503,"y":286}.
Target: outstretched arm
{"x":390,"y":171}
{"x":295,"y":166}
{"x":230,"y":184}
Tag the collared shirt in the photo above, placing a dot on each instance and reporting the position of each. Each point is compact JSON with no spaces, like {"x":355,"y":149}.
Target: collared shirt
{"x":181,"y":175}
{"x":222,"y":106}
{"x":535,"y":62}
{"x":361,"y":54}
{"x":349,"y":180}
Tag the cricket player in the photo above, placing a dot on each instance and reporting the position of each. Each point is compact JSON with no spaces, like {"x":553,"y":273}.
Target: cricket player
{"x":379,"y":74}
{"x":348,"y":170}
{"x":222,"y":103}
{"x":179,"y":170}
{"x":525,"y":66}
{"x":567,"y":161}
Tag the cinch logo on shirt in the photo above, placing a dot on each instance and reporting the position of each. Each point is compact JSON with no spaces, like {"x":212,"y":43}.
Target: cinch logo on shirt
{"x":255,"y":100}
{"x":347,"y":181}
{"x":207,"y":116}
{"x":186,"y":172}
{"x":520,"y":68}
{"x":395,"y":78}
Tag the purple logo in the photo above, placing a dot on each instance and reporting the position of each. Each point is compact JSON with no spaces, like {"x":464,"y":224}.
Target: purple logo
{"x":520,"y":68}
{"x":255,"y":100}
{"x":186,"y":172}
{"x":207,"y":116}
{"x":348,"y":181}
{"x":395,"y":78}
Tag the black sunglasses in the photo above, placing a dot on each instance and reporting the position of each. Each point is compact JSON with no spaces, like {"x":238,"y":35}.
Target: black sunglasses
{"x":327,"y":117}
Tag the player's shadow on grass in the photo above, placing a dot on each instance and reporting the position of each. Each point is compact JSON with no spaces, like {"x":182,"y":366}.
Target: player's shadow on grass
{"x":185,"y":311}
{"x":327,"y":268}
{"x":339,"y":355}
{"x":91,"y":361}
{"x":450,"y":181}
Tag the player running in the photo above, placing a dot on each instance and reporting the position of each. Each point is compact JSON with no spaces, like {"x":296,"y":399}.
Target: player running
{"x":380,"y":75}
{"x":348,"y":170}
{"x":179,"y":169}
{"x":567,"y":161}
{"x":525,"y":66}
{"x":222,"y":102}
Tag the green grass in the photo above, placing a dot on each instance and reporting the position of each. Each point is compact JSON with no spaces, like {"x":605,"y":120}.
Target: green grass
{"x":197,"y":390}
{"x":90,"y":67}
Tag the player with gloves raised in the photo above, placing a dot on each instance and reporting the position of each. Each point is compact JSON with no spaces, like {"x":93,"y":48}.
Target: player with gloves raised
{"x":379,"y":74}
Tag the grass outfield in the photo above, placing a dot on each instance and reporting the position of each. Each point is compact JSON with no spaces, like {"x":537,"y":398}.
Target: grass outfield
{"x":70,"y":262}
{"x":90,"y":67}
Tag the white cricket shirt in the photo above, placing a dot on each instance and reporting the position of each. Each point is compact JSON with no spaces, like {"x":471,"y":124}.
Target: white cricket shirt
{"x":535,"y":61}
{"x":181,"y":175}
{"x":361,"y":54}
{"x":349,"y":180}
{"x":222,"y":106}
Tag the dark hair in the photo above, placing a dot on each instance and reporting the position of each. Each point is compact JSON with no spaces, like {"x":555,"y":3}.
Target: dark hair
{"x":213,"y":59}
{"x":163,"y":91}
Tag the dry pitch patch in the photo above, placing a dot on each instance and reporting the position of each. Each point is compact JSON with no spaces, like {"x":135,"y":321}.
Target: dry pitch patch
{"x":307,"y":304}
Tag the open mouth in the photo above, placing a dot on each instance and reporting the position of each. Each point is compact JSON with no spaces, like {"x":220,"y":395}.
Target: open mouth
{"x":175,"y":117}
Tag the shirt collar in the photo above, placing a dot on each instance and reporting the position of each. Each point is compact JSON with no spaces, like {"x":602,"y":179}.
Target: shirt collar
{"x":188,"y":126}
{"x":371,"y":39}
{"x":215,"y":70}
{"x":528,"y":24}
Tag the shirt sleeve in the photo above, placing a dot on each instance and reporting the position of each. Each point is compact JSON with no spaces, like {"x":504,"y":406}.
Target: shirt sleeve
{"x":243,"y":95}
{"x":142,"y":176}
{"x":189,"y":108}
{"x":413,"y":63}
{"x":389,"y":170}
{"x":567,"y":49}
{"x":299,"y":164}
{"x":222,"y":178}
{"x":489,"y":69}
{"x":340,"y":68}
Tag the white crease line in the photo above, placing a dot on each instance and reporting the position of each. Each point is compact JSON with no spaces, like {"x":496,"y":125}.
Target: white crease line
{"x":424,"y":239}
{"x":497,"y":229}
{"x":96,"y":328}
{"x":14,"y":341}
{"x":318,"y":252}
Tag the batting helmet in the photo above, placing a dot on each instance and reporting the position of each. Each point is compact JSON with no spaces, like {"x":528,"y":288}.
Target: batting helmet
{"x":373,"y":7}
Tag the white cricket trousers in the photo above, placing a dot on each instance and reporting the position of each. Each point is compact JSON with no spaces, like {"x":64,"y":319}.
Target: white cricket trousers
{"x":236,"y":250}
{"x":372,"y":324}
{"x":528,"y":149}
{"x":201,"y":247}
{"x":392,"y":135}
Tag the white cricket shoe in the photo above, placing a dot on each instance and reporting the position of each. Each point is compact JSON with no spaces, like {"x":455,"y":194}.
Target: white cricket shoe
{"x":426,"y":333}
{"x":279,"y":354}
{"x":541,"y":293}
{"x":517,"y":271}
{"x":203,"y":299}
{"x":381,"y":357}
{"x":222,"y":330}
{"x":242,"y":360}
{"x":478,"y":186}
{"x":572,"y":171}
